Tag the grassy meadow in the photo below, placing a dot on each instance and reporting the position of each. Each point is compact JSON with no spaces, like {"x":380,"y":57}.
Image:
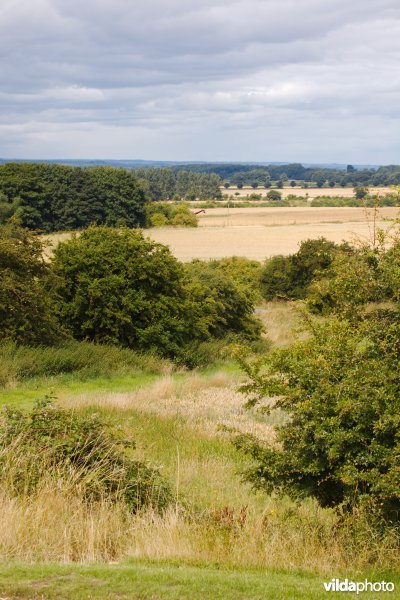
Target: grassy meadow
{"x":218,"y":539}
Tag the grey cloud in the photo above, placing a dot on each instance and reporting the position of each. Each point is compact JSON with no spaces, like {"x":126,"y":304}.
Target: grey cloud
{"x":105,"y":76}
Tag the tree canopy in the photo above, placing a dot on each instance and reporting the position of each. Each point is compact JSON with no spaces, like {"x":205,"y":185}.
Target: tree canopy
{"x":52,"y":197}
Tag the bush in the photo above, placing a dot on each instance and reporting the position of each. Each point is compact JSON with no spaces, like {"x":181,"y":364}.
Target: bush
{"x":289,"y":277}
{"x":160,"y":214}
{"x":223,"y":306}
{"x":117,"y":287}
{"x":274,"y":195}
{"x":182,"y":219}
{"x":158,"y":220}
{"x":26,"y":283}
{"x":340,"y":390}
{"x":243,"y":271}
{"x":50,"y":442}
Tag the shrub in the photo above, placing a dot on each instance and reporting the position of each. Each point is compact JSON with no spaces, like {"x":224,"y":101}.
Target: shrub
{"x":117,"y":287}
{"x":158,"y":220}
{"x":340,"y":390}
{"x":160,"y":214}
{"x":274,"y":195}
{"x":289,"y":277}
{"x":64,"y":445}
{"x":26,"y":283}
{"x":223,"y":306}
{"x":181,"y":219}
{"x":242,"y":271}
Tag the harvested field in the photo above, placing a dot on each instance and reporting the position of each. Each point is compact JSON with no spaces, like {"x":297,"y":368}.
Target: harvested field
{"x":337,"y":192}
{"x":258,"y":233}
{"x":285,"y":215}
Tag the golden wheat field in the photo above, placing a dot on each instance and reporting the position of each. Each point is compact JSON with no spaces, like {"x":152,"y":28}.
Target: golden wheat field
{"x":261,"y":232}
{"x":258,"y":233}
{"x":337,"y":192}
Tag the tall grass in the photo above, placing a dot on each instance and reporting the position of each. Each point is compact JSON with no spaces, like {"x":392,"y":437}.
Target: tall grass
{"x":83,"y":359}
{"x":56,"y":524}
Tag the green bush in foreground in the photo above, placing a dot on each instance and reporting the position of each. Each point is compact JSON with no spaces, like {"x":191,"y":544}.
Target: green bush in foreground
{"x":341,"y":392}
{"x":50,"y":442}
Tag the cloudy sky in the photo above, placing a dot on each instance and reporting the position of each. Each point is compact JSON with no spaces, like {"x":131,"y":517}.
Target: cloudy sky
{"x":253,"y":80}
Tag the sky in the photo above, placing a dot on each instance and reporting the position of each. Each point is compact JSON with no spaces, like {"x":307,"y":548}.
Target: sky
{"x":215,"y":80}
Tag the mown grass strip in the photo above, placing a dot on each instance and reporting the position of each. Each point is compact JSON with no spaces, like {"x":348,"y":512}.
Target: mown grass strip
{"x":157,"y":581}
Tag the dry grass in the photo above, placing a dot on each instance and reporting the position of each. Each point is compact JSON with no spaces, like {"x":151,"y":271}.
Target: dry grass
{"x":207,"y":404}
{"x":282,"y":322}
{"x":56,"y":526}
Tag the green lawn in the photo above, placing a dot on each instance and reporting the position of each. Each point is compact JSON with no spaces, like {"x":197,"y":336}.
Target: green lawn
{"x":158,"y":581}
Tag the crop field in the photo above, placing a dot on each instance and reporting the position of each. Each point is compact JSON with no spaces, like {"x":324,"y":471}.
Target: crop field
{"x":258,"y":233}
{"x":337,"y":192}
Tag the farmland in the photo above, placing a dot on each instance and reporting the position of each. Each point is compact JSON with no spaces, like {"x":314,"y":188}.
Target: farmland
{"x":262,"y":232}
{"x":311,"y":192}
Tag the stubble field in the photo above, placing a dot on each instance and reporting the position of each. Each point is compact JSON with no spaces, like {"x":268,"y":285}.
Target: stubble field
{"x":337,"y":192}
{"x":262,"y":232}
{"x":258,"y":233}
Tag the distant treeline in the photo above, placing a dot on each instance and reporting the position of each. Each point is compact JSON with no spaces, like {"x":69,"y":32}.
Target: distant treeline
{"x":239,"y":174}
{"x":169,"y":184}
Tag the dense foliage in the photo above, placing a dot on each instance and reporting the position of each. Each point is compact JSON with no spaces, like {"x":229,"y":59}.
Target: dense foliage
{"x":340,"y":390}
{"x":162,"y":214}
{"x":168,"y":184}
{"x":26,"y":281}
{"x":288,"y":277}
{"x":227,"y":304}
{"x":51,"y":442}
{"x":53,"y":197}
{"x":262,"y":175}
{"x":117,"y":287}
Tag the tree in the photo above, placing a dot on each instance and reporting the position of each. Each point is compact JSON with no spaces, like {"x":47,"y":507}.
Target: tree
{"x":360,"y":192}
{"x":118,"y":287}
{"x":26,"y":283}
{"x":274,"y":195}
{"x":53,"y":197}
{"x":226,"y":303}
{"x":289,"y":277}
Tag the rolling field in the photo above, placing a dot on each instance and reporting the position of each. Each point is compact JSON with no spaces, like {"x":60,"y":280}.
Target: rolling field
{"x":258,"y":233}
{"x":346,"y":192}
{"x":262,"y":232}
